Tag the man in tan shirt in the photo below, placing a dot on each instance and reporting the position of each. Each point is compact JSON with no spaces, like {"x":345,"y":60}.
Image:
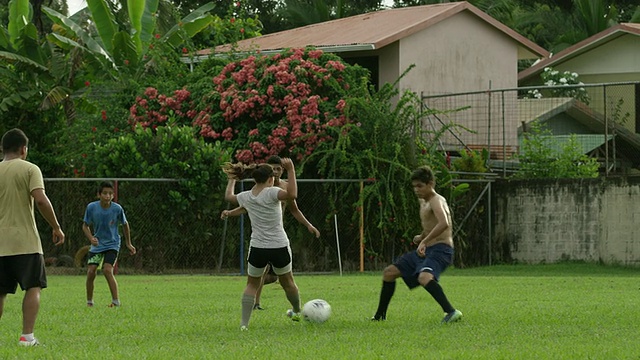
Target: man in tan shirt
{"x":21,"y":259}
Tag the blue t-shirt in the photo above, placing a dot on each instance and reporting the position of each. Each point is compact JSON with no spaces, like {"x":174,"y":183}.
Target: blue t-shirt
{"x":105,"y":224}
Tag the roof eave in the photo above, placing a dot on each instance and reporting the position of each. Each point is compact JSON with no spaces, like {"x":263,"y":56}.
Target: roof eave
{"x":579,"y":48}
{"x":328,"y":49}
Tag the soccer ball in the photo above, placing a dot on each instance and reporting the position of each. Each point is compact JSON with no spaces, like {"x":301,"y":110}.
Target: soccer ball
{"x":316,"y":311}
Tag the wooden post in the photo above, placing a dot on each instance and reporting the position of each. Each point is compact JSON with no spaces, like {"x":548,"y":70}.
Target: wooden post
{"x":361,"y":227}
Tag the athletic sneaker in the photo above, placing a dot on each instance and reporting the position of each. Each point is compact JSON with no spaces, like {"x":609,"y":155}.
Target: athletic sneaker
{"x":293,"y":315}
{"x":244,"y":328}
{"x":113,"y":305}
{"x":24,"y":342}
{"x":452,"y":317}
{"x":257,"y":307}
{"x":378,"y":318}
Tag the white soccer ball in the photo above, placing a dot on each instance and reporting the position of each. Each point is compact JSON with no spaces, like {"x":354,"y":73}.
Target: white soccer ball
{"x":316,"y":311}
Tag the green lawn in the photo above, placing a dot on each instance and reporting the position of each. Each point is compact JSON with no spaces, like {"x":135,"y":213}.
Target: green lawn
{"x":566,"y":311}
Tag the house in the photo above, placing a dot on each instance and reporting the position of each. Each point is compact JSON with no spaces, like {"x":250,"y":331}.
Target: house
{"x":616,"y":148}
{"x":455,"y":48}
{"x":612,"y":55}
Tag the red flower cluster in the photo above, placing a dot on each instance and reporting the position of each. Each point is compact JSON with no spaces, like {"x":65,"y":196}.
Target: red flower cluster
{"x":153,"y":109}
{"x":295,"y":93}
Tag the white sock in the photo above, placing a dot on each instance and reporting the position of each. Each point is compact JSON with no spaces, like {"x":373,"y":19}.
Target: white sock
{"x":89,"y":302}
{"x":28,"y":337}
{"x":115,"y":302}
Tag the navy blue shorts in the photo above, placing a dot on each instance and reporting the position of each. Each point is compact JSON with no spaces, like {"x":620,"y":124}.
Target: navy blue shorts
{"x":438,"y":258}
{"x":26,"y":270}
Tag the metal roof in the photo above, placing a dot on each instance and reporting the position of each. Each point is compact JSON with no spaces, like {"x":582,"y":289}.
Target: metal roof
{"x":370,"y":31}
{"x":582,"y":47}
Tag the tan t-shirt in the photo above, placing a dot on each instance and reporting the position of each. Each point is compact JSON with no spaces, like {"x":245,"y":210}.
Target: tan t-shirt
{"x":18,"y":232}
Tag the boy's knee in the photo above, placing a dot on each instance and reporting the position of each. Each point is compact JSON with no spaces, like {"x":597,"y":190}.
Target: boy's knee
{"x":424,"y":278}
{"x":390,"y":273}
{"x":107,"y":270}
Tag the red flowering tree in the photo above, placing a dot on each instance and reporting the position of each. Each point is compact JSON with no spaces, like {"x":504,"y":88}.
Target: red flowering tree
{"x":153,"y":109}
{"x":280,"y":104}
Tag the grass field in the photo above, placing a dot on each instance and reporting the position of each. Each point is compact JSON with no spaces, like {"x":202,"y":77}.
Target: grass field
{"x":565,"y":311}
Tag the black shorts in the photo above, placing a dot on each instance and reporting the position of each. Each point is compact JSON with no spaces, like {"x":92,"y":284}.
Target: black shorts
{"x":279,"y":259}
{"x":26,"y":270}
{"x":104,"y":257}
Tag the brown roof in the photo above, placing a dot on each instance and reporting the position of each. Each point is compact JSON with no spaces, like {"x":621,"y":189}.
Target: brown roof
{"x":583,"y":46}
{"x":372,"y":30}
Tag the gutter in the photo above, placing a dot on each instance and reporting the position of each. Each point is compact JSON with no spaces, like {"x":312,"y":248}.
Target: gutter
{"x":191,"y":60}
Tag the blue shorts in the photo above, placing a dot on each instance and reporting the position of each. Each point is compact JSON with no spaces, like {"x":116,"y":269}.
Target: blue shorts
{"x":437,"y":260}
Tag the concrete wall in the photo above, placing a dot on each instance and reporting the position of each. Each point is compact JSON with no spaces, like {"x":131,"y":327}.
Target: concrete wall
{"x":552,"y":220}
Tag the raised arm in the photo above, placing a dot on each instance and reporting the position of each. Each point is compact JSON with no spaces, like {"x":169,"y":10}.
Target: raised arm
{"x":229,"y":194}
{"x":292,"y":188}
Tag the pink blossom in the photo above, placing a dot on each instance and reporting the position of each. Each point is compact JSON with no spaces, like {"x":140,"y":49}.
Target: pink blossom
{"x":151,"y":92}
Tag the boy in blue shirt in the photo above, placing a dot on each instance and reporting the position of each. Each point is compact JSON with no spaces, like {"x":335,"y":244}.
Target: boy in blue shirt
{"x":105,"y":216}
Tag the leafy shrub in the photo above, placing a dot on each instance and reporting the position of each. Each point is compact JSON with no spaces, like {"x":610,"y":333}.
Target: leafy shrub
{"x":280,"y":104}
{"x":538,"y":159}
{"x":381,"y":144}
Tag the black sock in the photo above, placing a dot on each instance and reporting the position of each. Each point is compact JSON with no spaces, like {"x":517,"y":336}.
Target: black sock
{"x":388,"y":288}
{"x":434,"y":288}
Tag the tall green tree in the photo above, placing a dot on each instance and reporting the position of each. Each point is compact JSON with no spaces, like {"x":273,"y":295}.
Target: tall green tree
{"x":119,"y":48}
{"x":34,"y":84}
{"x":298,"y":13}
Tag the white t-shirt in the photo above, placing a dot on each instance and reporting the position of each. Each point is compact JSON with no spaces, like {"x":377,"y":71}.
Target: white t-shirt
{"x":265,"y":213}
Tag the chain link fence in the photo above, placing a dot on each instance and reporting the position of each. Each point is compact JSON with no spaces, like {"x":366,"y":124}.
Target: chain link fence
{"x":605,"y":119}
{"x":173,"y":239}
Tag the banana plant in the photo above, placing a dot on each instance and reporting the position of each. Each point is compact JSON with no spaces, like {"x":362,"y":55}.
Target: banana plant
{"x":33,"y":74}
{"x":116,"y":44}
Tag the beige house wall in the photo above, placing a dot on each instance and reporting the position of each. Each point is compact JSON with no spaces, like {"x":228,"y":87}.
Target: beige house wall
{"x":592,"y":220}
{"x":619,"y":56}
{"x":599,"y":66}
{"x":389,"y":63}
{"x":464,"y":54}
